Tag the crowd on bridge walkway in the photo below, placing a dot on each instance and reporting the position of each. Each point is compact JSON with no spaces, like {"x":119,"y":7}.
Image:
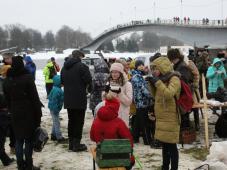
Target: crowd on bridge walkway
{"x":127,"y":99}
{"x":176,"y":20}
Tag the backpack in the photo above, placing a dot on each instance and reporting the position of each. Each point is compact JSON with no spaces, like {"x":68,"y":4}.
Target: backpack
{"x":52,"y":72}
{"x":185,"y":101}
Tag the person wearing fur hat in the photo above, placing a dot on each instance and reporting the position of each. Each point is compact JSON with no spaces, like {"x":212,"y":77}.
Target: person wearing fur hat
{"x":24,"y":105}
{"x":165,"y":86}
{"x":118,"y":81}
{"x":107,"y":124}
{"x":141,"y":98}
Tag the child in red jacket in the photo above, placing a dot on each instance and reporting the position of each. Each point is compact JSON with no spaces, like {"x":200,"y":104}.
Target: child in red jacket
{"x":107,"y":125}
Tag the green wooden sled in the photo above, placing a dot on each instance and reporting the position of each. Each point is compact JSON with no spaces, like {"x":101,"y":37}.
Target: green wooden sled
{"x":113,"y":153}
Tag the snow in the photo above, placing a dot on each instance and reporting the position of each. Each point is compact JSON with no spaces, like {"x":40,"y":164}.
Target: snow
{"x":217,"y":159}
{"x":56,"y":156}
{"x":49,"y":54}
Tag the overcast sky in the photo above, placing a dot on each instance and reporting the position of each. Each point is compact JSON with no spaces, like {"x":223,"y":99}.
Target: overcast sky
{"x":94,"y":16}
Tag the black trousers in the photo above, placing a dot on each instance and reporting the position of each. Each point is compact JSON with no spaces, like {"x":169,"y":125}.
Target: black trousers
{"x":12,"y":138}
{"x":169,"y":154}
{"x":3,"y":132}
{"x":49,"y":87}
{"x":141,"y":124}
{"x":75,"y":123}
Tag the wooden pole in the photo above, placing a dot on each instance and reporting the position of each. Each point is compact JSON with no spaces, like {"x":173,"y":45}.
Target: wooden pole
{"x":205,"y":112}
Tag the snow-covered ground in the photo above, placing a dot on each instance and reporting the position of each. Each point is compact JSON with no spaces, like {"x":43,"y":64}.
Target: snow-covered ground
{"x":57,"y":157}
{"x":48,"y":55}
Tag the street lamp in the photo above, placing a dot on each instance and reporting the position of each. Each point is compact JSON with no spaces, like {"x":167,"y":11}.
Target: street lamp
{"x":181,"y":10}
{"x":135,"y":12}
{"x":222,"y":10}
{"x":154,"y":12}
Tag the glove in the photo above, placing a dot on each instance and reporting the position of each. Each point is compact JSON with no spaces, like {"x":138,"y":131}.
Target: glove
{"x":107,"y":88}
{"x":115,"y":89}
{"x":152,"y":79}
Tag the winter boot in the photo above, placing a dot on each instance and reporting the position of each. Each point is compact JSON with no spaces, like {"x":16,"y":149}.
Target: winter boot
{"x":77,"y":147}
{"x":70,"y":144}
{"x":6,"y":160}
{"x":20,"y":165}
{"x":62,"y":140}
{"x":29,"y":165}
{"x":53,"y":137}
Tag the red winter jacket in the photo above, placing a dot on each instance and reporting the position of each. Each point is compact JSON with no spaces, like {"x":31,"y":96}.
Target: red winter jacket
{"x":107,"y":125}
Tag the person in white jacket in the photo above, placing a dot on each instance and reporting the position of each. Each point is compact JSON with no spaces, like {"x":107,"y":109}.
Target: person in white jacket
{"x":119,"y":85}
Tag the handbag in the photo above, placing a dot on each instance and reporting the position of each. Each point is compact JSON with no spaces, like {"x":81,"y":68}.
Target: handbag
{"x":40,"y":139}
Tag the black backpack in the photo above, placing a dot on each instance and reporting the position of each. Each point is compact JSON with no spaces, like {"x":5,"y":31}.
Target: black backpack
{"x":52,"y":71}
{"x":221,"y":126}
{"x":40,"y":139}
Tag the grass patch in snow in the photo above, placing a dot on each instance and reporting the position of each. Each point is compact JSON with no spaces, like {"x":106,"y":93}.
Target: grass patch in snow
{"x":155,"y":167}
{"x":54,"y":168}
{"x":65,"y":146}
{"x":197,"y":153}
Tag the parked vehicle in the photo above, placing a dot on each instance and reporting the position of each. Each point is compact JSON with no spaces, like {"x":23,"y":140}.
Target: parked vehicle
{"x":89,"y":60}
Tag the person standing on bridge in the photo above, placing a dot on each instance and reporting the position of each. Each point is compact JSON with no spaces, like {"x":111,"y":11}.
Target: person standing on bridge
{"x":77,"y":81}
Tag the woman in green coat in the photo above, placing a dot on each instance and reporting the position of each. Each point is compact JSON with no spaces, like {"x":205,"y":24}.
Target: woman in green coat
{"x":165,"y":85}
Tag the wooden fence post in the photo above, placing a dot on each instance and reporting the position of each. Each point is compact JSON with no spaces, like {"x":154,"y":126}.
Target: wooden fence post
{"x":205,"y":112}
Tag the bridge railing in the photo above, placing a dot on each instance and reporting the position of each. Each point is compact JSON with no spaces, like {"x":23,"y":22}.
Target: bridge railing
{"x":182,"y":22}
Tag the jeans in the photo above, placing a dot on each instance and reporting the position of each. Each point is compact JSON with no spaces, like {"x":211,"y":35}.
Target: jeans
{"x":20,"y":151}
{"x":75,"y":123}
{"x":170,"y":154}
{"x":56,"y":125}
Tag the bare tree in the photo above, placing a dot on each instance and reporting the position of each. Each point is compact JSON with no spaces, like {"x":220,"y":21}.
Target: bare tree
{"x":3,"y":38}
{"x":49,"y":40}
{"x":63,"y":37}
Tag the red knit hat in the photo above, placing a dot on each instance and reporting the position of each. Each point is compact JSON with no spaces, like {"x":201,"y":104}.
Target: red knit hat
{"x":110,"y":110}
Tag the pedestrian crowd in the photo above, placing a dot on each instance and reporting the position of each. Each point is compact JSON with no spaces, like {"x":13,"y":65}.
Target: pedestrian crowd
{"x":127,"y":100}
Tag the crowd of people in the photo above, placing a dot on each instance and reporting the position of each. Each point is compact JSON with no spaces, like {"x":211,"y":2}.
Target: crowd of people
{"x":127,"y":101}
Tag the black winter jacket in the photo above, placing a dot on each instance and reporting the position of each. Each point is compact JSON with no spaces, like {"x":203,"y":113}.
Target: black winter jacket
{"x":23,"y":102}
{"x":77,"y":81}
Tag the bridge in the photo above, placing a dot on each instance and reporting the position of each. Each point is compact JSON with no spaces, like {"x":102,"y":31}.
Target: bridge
{"x":199,"y":32}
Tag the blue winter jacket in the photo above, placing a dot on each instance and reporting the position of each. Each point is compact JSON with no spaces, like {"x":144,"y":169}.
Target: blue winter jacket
{"x":30,"y":65}
{"x":56,"y":96}
{"x":141,"y":94}
{"x":216,"y":79}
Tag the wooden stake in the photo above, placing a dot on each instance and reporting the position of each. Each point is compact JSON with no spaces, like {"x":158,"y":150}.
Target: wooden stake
{"x":205,"y":112}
